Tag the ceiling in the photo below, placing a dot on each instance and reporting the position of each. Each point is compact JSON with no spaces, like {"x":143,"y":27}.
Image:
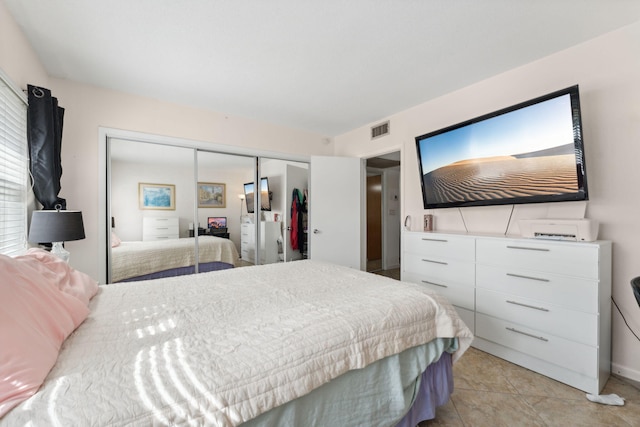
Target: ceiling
{"x":323,"y":66}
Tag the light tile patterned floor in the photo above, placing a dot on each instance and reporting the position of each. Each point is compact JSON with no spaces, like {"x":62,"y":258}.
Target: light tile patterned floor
{"x":393,"y":273}
{"x":490,"y":391}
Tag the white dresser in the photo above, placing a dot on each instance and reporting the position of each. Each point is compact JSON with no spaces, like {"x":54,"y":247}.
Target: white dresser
{"x":269,"y":233}
{"x":544,"y":305}
{"x":160,"y":228}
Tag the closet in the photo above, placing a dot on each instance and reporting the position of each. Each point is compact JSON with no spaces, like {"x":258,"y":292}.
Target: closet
{"x":192,"y":172}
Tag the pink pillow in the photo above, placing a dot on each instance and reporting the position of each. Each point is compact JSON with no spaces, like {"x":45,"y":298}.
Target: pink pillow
{"x":115,"y":240}
{"x":35,"y":318}
{"x":68,"y":280}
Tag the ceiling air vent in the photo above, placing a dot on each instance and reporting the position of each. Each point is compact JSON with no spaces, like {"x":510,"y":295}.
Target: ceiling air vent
{"x":380,"y":130}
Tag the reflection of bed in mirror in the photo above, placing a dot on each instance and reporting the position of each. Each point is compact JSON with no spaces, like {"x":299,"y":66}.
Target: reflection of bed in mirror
{"x":132,"y":261}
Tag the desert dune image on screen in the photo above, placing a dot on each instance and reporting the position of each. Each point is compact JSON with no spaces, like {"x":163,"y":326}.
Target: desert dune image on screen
{"x":526,"y":152}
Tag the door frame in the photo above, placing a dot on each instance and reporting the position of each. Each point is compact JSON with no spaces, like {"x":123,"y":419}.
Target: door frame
{"x":385,"y":202}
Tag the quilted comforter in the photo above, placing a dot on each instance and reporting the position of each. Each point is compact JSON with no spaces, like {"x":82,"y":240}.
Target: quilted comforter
{"x":131,"y":259}
{"x":221,"y":348}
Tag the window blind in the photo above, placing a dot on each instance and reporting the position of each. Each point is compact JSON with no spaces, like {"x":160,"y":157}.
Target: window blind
{"x":13,"y":169}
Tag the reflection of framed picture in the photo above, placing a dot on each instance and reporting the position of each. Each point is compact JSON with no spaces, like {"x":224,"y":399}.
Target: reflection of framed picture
{"x":211,"y":195}
{"x":157,"y":196}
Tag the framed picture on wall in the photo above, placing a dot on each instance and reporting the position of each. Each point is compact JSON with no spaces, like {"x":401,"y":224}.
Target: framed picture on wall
{"x":211,"y":195}
{"x":157,"y":196}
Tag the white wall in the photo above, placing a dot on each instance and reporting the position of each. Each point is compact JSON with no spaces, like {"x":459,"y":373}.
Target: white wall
{"x":607,"y":69}
{"x":17,"y":58}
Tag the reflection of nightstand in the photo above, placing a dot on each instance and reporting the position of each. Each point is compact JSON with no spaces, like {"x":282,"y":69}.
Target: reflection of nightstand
{"x":201,"y":232}
{"x":212,"y":232}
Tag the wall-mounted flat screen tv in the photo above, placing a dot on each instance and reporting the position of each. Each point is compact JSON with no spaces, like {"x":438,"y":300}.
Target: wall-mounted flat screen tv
{"x":265,"y":195}
{"x":531,"y":152}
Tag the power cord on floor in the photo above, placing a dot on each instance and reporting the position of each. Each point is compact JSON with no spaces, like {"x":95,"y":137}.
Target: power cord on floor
{"x":625,"y":320}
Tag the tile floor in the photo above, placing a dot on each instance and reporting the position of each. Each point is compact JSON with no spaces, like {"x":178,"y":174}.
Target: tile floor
{"x":490,"y":391}
{"x":393,"y":273}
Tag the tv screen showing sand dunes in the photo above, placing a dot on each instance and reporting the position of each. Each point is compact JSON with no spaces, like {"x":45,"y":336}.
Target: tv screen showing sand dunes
{"x":524,"y":155}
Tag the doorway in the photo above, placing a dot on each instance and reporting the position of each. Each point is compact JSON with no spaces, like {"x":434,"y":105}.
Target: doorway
{"x":383,"y":214}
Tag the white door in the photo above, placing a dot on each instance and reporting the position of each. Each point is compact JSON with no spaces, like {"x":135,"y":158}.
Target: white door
{"x":336,"y":199}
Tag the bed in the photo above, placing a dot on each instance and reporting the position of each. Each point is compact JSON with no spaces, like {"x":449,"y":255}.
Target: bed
{"x":133,"y":261}
{"x":289,"y":344}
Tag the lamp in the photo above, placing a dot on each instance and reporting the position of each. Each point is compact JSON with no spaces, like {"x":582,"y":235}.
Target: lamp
{"x":241,"y":197}
{"x":56,"y":227}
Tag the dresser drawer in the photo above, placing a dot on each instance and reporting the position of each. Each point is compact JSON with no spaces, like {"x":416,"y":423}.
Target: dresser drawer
{"x":571,"y":355}
{"x":572,"y":259}
{"x":247,"y":234}
{"x":167,"y":231}
{"x":440,"y":245}
{"x":247,"y":254}
{"x":440,"y":270}
{"x":461,"y":296}
{"x":541,"y":316}
{"x":159,"y":222}
{"x":568,"y":291}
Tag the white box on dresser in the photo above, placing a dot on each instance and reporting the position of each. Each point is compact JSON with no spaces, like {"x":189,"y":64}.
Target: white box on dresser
{"x":545,"y":305}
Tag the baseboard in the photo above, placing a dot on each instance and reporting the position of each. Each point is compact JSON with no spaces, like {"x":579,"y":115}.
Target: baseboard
{"x":627,"y":373}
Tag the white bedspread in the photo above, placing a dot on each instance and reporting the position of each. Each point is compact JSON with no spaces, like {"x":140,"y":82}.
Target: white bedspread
{"x":131,"y":259}
{"x":221,"y":348}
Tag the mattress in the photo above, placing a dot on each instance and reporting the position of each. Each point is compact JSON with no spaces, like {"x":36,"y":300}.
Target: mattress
{"x":224,"y":348}
{"x":134,"y":259}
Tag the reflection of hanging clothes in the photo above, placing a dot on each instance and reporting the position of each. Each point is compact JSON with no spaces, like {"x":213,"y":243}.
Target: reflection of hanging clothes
{"x":298,"y":208}
{"x":296,"y":216}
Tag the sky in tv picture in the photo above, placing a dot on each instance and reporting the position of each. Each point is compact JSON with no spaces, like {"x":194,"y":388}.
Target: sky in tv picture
{"x":534,"y":128}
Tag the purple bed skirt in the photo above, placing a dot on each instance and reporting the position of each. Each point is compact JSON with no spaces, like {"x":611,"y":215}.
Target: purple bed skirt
{"x":436,"y":386}
{"x":181,"y":271}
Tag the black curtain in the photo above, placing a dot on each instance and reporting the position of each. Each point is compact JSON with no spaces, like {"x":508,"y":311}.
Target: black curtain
{"x":44,"y":133}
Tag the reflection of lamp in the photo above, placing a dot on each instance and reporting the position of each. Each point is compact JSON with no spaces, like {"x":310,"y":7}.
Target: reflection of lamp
{"x":56,"y":227}
{"x":241,"y":196}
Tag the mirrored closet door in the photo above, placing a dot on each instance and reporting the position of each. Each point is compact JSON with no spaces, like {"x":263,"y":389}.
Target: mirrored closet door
{"x":222,"y":210}
{"x":283,"y":214}
{"x":151,"y":202}
{"x":175,"y":210}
